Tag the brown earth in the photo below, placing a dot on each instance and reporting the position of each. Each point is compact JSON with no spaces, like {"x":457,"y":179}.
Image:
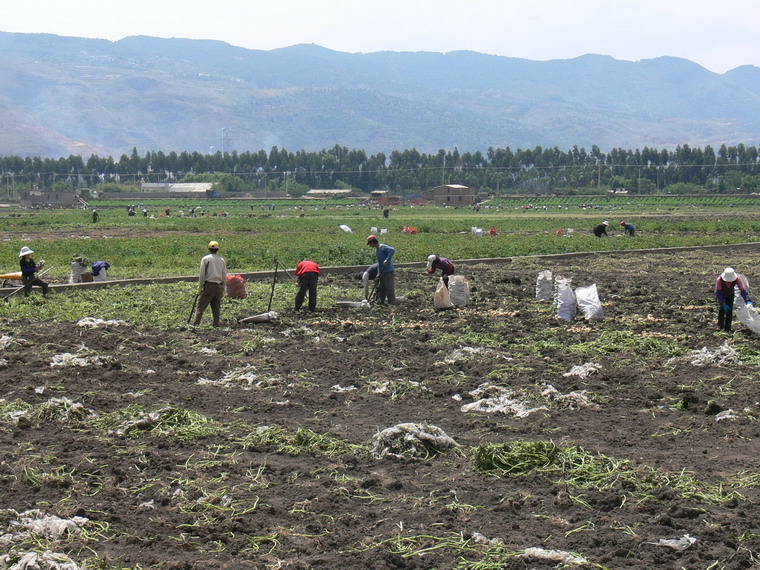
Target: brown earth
{"x":202,"y":503}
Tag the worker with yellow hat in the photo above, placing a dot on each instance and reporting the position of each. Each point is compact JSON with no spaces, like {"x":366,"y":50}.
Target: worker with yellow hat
{"x":211,"y":283}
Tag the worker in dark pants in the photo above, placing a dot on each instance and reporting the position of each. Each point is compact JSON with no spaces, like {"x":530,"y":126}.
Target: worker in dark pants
{"x":211,"y":284}
{"x":307,"y":273}
{"x":28,"y":270}
{"x":724,"y":293}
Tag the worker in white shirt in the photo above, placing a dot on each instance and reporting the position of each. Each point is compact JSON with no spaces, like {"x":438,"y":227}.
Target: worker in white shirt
{"x":211,"y":283}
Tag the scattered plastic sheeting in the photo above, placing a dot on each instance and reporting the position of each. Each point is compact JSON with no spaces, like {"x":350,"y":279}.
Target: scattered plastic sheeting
{"x":726,"y":415}
{"x":69,"y":359}
{"x":722,"y":355}
{"x":346,"y":229}
{"x":583,"y":371}
{"x":679,"y":544}
{"x":468,"y":352}
{"x":17,"y":527}
{"x":442,"y":298}
{"x":491,"y":398}
{"x":338,"y":388}
{"x":95,"y":323}
{"x":411,"y":441}
{"x":566,"y":304}
{"x":6,"y":341}
{"x":559,"y":556}
{"x":477,"y":231}
{"x":245,"y":378}
{"x":35,"y":561}
{"x":544,"y":285}
{"x":574,"y":400}
{"x":589,"y":303}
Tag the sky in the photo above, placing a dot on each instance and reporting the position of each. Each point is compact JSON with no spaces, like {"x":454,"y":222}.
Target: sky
{"x":717,"y":35}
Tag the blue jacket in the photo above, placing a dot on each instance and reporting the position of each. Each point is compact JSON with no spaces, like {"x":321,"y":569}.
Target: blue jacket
{"x":385,"y":252}
{"x":98,"y":265}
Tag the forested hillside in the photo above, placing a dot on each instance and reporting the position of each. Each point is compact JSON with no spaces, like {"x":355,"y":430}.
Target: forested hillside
{"x":61,"y":96}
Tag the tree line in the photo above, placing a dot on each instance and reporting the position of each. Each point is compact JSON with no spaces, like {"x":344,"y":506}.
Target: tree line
{"x":407,"y":172}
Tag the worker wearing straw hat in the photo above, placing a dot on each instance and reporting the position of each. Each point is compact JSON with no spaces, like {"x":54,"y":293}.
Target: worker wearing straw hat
{"x":28,"y":270}
{"x":724,"y":293}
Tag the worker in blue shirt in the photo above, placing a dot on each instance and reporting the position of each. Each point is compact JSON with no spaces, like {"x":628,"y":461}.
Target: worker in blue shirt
{"x":386,"y":289}
{"x":628,"y":228}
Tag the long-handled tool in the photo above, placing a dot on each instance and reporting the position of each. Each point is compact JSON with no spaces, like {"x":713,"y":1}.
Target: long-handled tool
{"x":274,"y":281}
{"x":373,"y":292}
{"x":195,"y":302}
{"x":9,"y":295}
{"x":288,"y":274}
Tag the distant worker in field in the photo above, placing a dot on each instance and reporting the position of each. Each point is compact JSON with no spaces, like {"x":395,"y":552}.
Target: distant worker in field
{"x":307,"y":273}
{"x":628,"y":228}
{"x":386,"y":287}
{"x":95,"y":216}
{"x":211,"y":283}
{"x":366,"y":276}
{"x":724,"y":293}
{"x":28,"y":270}
{"x":386,"y":212}
{"x":435,"y":262}
{"x":601,"y":229}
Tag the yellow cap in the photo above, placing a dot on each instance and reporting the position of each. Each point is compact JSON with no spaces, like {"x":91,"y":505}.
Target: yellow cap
{"x":213,"y":245}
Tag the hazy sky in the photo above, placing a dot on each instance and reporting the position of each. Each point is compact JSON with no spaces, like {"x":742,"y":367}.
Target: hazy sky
{"x":717,"y":35}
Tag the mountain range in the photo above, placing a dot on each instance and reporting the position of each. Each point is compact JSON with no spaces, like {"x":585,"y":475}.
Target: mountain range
{"x":65,"y":95}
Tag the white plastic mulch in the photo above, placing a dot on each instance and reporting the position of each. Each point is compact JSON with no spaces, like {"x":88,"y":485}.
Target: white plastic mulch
{"x":583,"y":371}
{"x":724,"y":354}
{"x":35,"y":561}
{"x":6,"y":341}
{"x":94,"y":323}
{"x":245,"y":378}
{"x":491,"y":398}
{"x":21,"y":526}
{"x":411,"y":441}
{"x":69,"y":359}
{"x":559,"y":556}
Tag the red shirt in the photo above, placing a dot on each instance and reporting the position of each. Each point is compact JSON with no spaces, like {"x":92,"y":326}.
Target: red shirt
{"x":307,"y":266}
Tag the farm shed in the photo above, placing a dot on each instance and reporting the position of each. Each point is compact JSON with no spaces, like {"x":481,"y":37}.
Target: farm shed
{"x":451,"y":195}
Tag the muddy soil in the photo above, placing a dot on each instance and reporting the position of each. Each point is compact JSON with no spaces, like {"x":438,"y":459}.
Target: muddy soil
{"x":219,"y":502}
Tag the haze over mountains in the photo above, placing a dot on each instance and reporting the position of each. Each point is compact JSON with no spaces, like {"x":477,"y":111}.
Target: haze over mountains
{"x":63,"y":95}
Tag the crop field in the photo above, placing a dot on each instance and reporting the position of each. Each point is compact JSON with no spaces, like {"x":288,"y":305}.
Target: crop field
{"x":493,"y":436}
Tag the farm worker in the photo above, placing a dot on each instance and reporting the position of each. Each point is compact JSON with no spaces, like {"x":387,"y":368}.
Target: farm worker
{"x":369,"y":274}
{"x":211,"y":283}
{"x":435,"y":262}
{"x":628,"y":228}
{"x":95,"y":215}
{"x":28,"y":270}
{"x":601,"y":229}
{"x":307,"y":273}
{"x":100,"y":270}
{"x":724,"y":293}
{"x":386,"y":288}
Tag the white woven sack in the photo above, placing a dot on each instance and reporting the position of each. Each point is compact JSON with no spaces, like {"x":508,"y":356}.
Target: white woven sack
{"x":459,"y":290}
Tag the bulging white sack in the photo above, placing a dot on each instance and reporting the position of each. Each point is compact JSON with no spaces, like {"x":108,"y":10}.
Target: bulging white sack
{"x":442,"y":299}
{"x":565,"y":298}
{"x":459,"y":290}
{"x":544,"y":285}
{"x":589,"y":303}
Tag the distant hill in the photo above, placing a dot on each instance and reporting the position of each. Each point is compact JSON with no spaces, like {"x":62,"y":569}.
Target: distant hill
{"x":62,"y":95}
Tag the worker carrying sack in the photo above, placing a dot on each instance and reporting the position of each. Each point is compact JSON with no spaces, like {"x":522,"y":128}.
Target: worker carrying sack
{"x":589,"y":303}
{"x":544,"y":285}
{"x":459,"y":290}
{"x":236,"y":287}
{"x":442,"y":299}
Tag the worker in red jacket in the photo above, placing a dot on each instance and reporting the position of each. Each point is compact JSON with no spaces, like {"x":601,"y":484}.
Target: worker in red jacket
{"x":307,"y":273}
